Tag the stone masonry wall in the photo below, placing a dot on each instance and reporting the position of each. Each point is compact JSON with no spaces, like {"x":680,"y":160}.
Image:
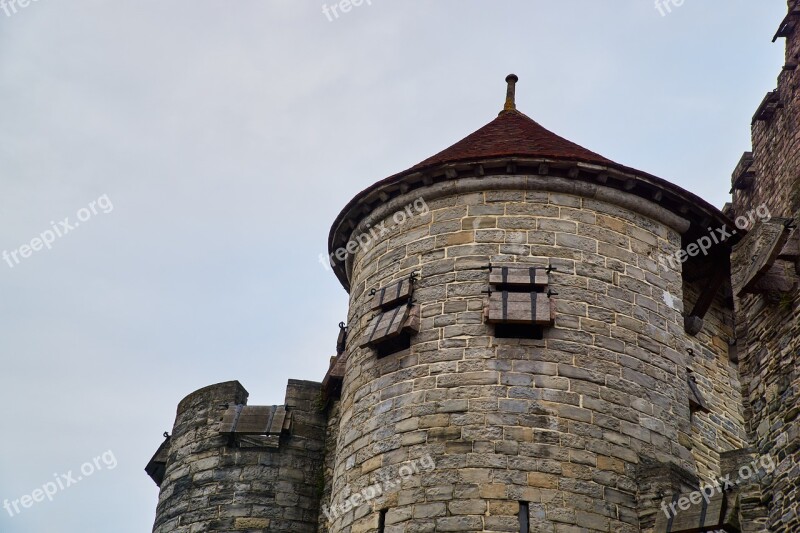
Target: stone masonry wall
{"x":212,"y":486}
{"x":332,"y":436}
{"x":769,"y":327}
{"x":722,"y":430}
{"x":563,"y":422}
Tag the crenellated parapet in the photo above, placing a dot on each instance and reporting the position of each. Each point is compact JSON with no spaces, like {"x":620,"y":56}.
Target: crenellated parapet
{"x":232,"y":467}
{"x":766,"y":283}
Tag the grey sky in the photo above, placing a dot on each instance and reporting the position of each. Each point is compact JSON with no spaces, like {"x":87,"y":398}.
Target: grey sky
{"x":228,"y":135}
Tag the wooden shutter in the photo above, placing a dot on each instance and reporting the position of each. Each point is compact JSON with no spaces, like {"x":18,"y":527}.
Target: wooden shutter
{"x":696,"y":400}
{"x":755,"y":255}
{"x":744,"y":175}
{"x":255,"y":420}
{"x":157,"y":467}
{"x":392,"y":295}
{"x":386,"y":325}
{"x":718,"y":514}
{"x":517,"y":276}
{"x":769,"y":106}
{"x":519,"y":308}
{"x":229,"y":419}
{"x":280,"y":421}
{"x":788,"y":24}
{"x":332,"y":382}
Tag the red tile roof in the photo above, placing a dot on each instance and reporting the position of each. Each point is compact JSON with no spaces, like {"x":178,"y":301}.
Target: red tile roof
{"x":513,"y":134}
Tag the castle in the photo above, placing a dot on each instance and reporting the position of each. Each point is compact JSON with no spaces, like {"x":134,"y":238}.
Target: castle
{"x":539,"y":339}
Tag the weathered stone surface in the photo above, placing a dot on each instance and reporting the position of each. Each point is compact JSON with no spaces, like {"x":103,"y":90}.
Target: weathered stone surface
{"x":589,"y":425}
{"x":768,"y":326}
{"x":211,"y":486}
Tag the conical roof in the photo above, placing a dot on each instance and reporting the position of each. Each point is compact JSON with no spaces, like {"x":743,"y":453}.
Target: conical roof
{"x":514,"y":138}
{"x":513,"y":134}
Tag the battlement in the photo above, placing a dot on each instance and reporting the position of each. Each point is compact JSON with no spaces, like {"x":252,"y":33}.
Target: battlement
{"x":240,"y":467}
{"x":767,"y":310}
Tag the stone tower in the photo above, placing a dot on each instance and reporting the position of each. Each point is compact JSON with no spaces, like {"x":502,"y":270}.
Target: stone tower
{"x":230,"y":467}
{"x":541,"y":358}
{"x":538,"y":339}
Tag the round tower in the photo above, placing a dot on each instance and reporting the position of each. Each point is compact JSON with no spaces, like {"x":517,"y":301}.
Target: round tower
{"x":517,"y":353}
{"x":232,"y":467}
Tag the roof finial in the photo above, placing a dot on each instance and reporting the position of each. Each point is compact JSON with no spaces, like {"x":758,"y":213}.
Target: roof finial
{"x":511,"y":104}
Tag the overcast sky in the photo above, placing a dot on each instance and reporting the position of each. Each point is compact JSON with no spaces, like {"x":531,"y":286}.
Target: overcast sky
{"x":212,"y":144}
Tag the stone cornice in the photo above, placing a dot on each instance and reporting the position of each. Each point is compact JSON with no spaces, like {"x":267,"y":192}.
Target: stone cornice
{"x":640,"y":192}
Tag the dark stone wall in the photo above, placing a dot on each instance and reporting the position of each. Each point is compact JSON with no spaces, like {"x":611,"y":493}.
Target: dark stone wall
{"x":768,"y":326}
{"x":333,"y":412}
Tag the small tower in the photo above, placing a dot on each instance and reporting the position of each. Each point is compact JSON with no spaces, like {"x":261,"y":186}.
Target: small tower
{"x":231,"y":467}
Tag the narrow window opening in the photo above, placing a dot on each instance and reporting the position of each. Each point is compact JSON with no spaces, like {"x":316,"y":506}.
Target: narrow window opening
{"x":516,"y":288}
{"x":524,"y":517}
{"x":382,"y":521}
{"x":395,"y":344}
{"x":518,"y":331}
{"x":696,"y":401}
